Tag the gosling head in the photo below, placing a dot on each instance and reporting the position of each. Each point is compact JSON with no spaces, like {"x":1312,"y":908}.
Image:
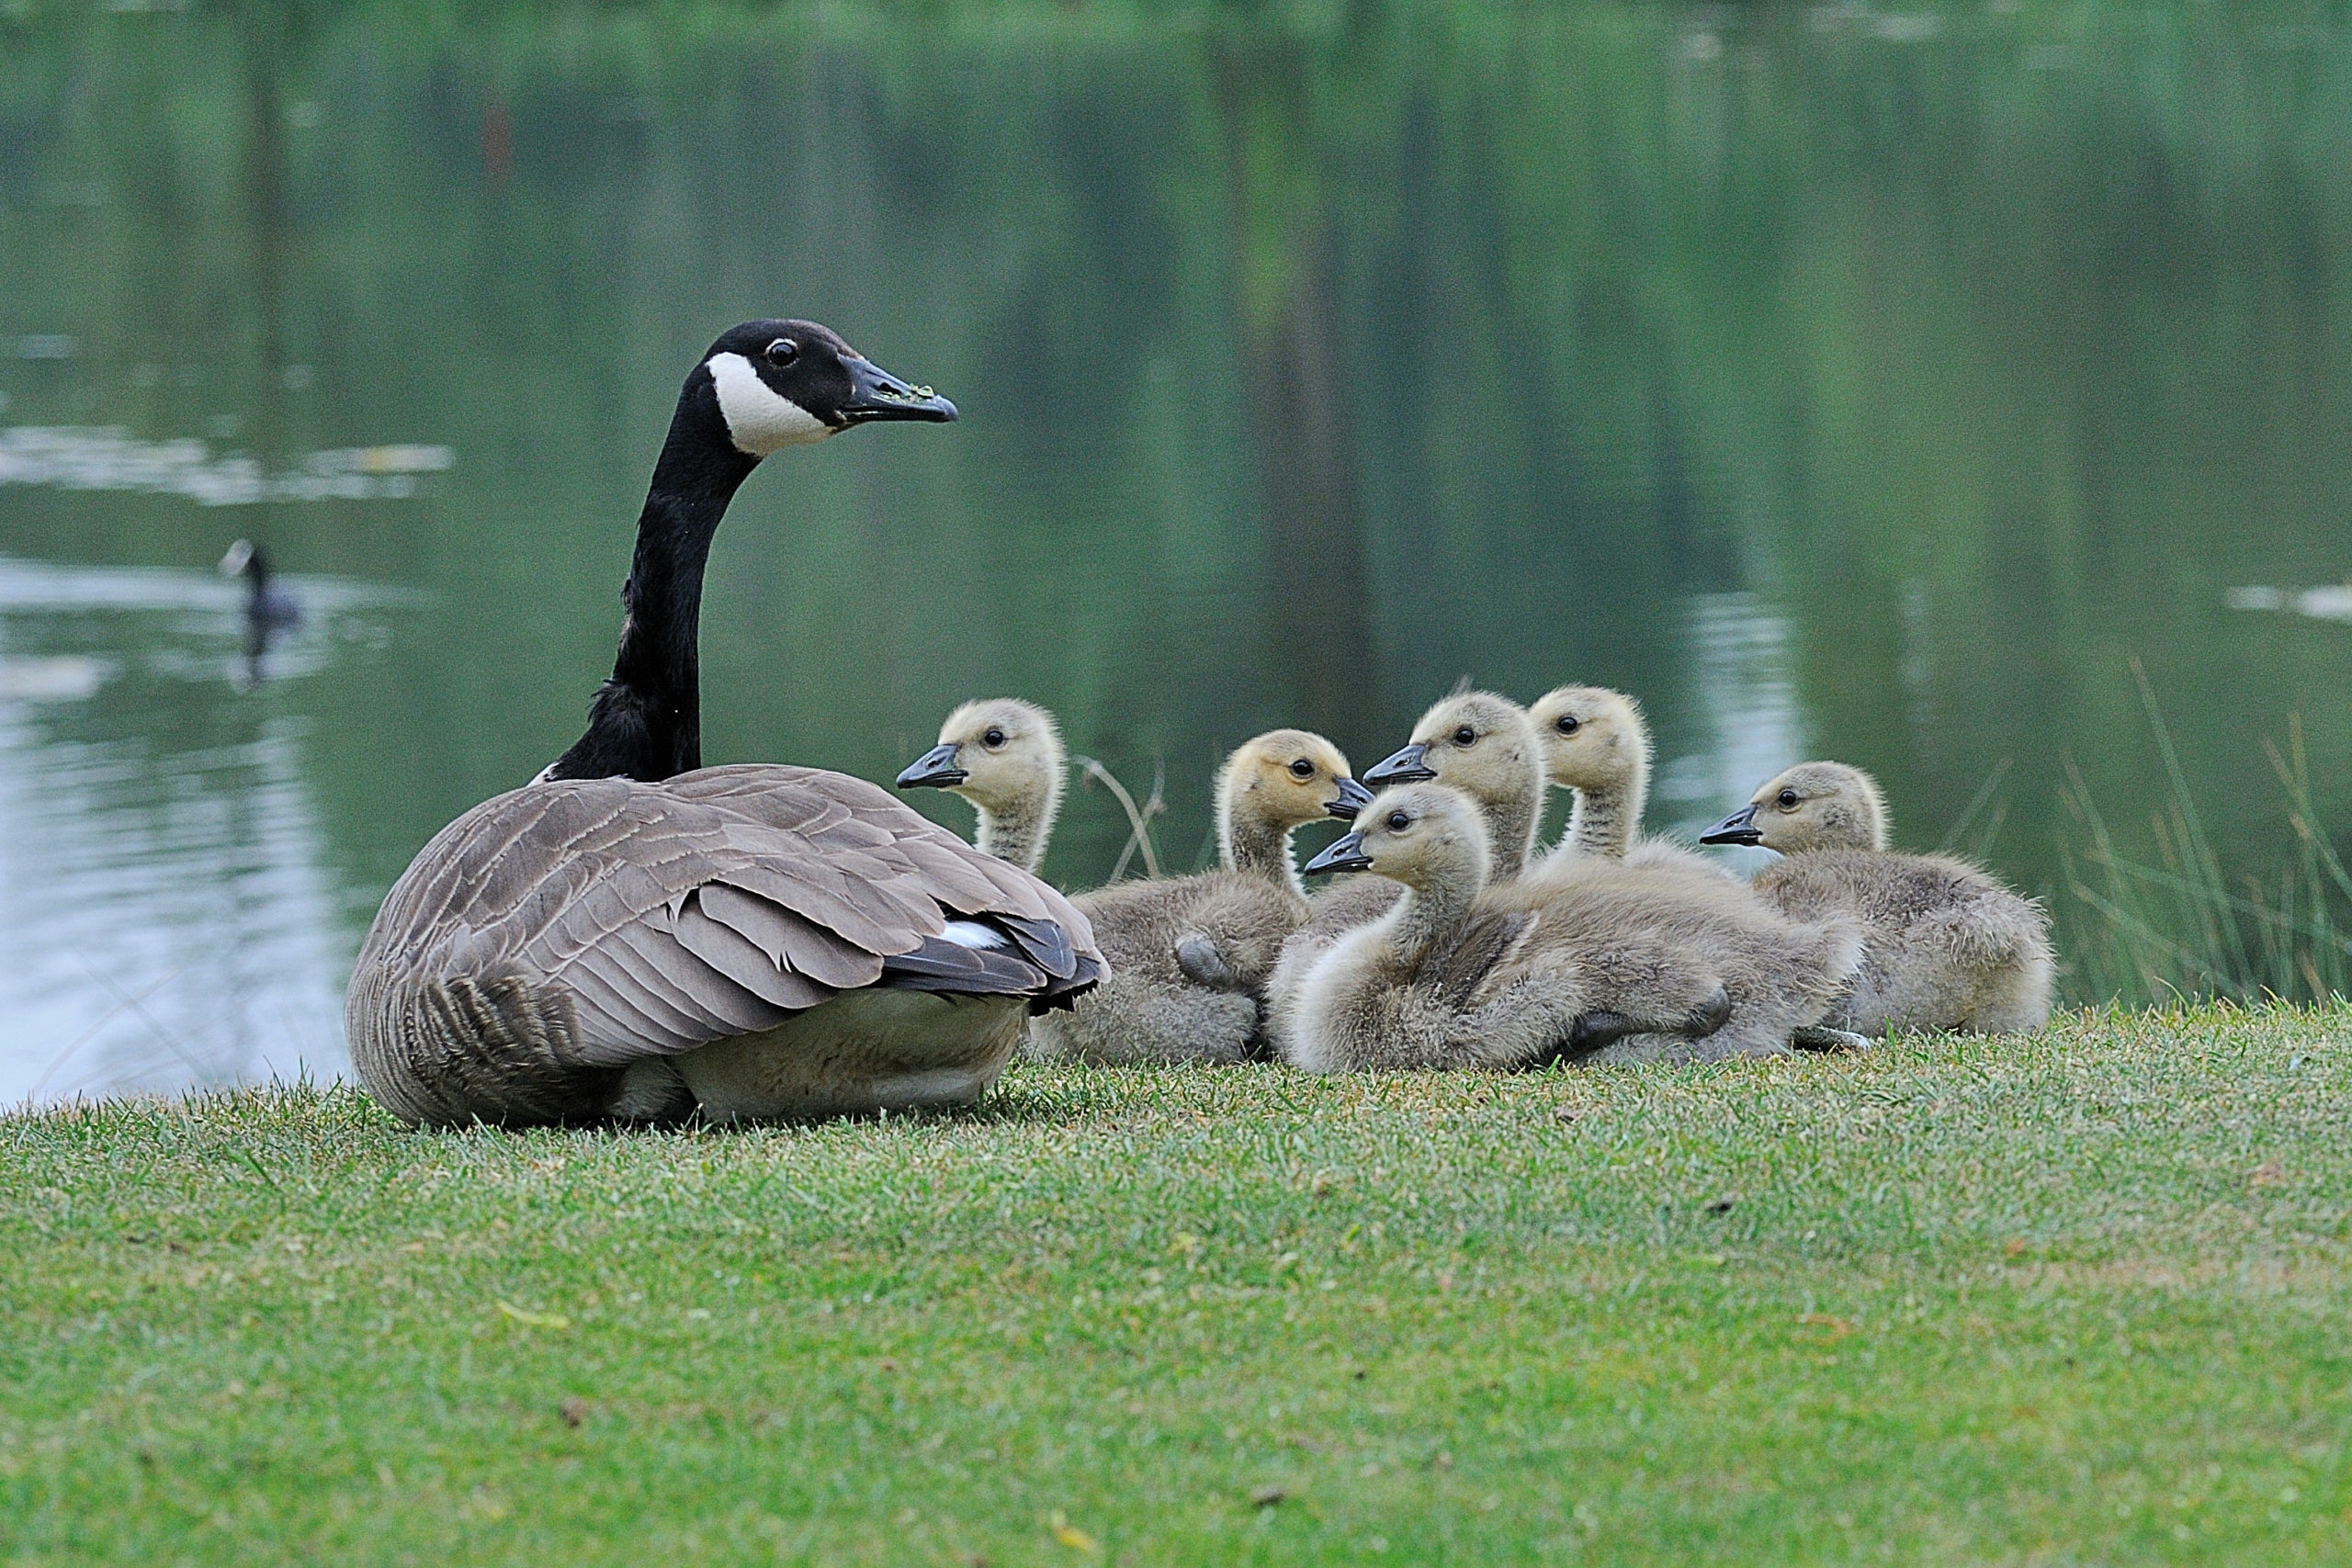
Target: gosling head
{"x":1418,"y":834}
{"x":1591,"y":737}
{"x":1286,"y":779}
{"x":1480,"y":744}
{"x":767,"y":385}
{"x":1000,"y":753}
{"x":1814,"y":806}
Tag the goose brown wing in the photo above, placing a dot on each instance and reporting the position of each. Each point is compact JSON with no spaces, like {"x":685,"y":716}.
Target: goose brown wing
{"x":715,"y":904}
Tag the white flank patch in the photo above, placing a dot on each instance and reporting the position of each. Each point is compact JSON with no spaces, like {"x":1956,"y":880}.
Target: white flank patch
{"x":759,"y":418}
{"x":971,"y":933}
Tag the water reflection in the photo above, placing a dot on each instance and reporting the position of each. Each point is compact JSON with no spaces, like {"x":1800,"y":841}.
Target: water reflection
{"x":110,"y":459}
{"x":165,"y":898}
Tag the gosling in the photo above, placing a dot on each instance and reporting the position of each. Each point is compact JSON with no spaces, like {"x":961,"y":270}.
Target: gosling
{"x":1454,"y":977}
{"x":1946,"y":946}
{"x":1005,"y":757}
{"x":1190,"y":956}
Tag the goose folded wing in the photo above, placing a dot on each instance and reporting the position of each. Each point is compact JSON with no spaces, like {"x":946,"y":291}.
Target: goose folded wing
{"x":672,"y":918}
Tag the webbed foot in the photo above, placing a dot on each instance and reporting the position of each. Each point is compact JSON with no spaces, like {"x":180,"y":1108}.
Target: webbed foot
{"x":1197,"y":956}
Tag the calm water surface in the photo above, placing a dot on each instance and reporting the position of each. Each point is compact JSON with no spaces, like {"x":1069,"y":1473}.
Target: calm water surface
{"x":1873,"y":382}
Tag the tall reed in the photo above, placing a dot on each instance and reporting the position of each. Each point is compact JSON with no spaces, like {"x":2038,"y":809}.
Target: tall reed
{"x":2181,"y":927}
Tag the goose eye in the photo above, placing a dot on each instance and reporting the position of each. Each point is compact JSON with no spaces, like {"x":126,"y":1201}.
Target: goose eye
{"x":1466,"y":736}
{"x":783,"y":352}
{"x":993,"y":738}
{"x":1788,"y":800}
{"x":1570,"y":724}
{"x":1302,"y":769}
{"x":1398,"y":821}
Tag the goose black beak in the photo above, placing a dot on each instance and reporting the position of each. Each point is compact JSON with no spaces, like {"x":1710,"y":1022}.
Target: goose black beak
{"x":1342,"y":854}
{"x":1353,"y":797}
{"x":936,"y":769}
{"x":1739,"y":828}
{"x":875,"y":394}
{"x":1405,"y":767}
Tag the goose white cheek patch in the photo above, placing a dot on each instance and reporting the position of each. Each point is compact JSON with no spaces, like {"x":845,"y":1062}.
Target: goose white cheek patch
{"x":760,"y":420}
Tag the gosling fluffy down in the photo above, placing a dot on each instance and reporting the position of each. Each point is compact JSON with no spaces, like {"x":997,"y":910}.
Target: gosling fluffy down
{"x":1189,"y":955}
{"x":1946,"y":946}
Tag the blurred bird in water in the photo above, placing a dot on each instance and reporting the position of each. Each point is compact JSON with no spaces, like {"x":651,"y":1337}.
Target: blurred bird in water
{"x":270,"y":611}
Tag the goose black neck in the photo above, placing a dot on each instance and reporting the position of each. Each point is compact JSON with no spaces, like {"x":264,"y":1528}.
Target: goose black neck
{"x":646,"y":722}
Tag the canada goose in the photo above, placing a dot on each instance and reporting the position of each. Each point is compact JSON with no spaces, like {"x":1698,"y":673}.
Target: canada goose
{"x":1595,"y":743}
{"x":1453,"y":975}
{"x":267,"y":605}
{"x":1946,"y":946}
{"x":1005,"y":757}
{"x":632,"y":936}
{"x":1189,"y":955}
{"x":270,"y":611}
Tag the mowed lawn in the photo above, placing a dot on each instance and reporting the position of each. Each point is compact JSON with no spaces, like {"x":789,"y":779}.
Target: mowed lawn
{"x":2083,"y":1297}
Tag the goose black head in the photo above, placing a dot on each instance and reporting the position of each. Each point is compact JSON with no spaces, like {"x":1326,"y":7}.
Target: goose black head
{"x":785,"y":383}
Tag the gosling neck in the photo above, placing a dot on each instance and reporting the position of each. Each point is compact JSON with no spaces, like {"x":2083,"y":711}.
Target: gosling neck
{"x":1435,"y":907}
{"x":1249,"y":840}
{"x":646,"y":720}
{"x":1017,"y":827}
{"x":1511,"y":826}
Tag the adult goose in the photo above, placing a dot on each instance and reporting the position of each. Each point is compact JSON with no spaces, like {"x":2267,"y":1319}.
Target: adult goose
{"x":632,"y":936}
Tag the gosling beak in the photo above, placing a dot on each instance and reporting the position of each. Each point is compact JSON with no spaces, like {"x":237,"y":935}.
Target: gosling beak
{"x":1739,"y":828}
{"x":874,"y":394}
{"x":1405,"y":767}
{"x":1353,"y":797}
{"x":936,"y":769}
{"x":1342,"y":854}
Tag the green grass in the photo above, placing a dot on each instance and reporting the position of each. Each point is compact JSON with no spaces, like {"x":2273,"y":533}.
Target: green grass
{"x":2076,"y":1298}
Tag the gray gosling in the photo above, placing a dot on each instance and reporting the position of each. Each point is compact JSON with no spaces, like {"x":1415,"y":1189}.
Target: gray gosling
{"x":1596,"y":745}
{"x":1476,"y":742}
{"x":1946,"y":946}
{"x":1005,"y":757}
{"x":1189,"y":955}
{"x":1452,"y":977}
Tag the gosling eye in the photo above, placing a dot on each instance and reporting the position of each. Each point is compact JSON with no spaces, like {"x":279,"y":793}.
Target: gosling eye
{"x":1302,"y":769}
{"x":1788,"y":800}
{"x":1570,"y":724}
{"x":993,"y":738}
{"x":783,"y":352}
{"x":1466,"y":736}
{"x":1398,"y":821}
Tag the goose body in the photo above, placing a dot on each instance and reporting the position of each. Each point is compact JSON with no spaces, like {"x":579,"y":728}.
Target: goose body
{"x":1458,"y":975}
{"x":1188,"y":957}
{"x":633,"y":936}
{"x":1946,"y":946}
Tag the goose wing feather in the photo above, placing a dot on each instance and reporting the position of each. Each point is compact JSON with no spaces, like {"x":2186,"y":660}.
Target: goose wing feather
{"x":715,"y":904}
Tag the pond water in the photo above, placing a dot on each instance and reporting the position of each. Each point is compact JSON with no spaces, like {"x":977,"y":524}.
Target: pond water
{"x":1874,"y":382}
